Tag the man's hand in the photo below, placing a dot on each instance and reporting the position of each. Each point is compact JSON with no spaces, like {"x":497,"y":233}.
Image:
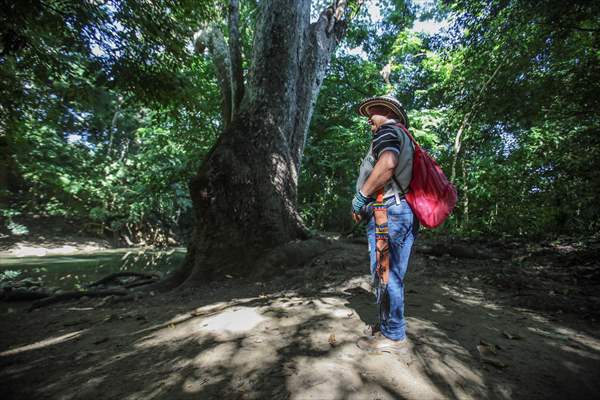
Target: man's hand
{"x":359,"y":201}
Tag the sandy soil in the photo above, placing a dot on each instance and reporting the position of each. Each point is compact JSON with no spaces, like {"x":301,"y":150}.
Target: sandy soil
{"x":40,"y":248}
{"x":476,"y":331}
{"x":48,"y":236}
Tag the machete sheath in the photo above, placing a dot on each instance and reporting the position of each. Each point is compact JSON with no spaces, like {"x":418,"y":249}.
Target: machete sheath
{"x":382,"y":253}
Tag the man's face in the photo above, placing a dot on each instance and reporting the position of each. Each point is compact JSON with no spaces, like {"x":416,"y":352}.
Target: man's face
{"x":377,"y":117}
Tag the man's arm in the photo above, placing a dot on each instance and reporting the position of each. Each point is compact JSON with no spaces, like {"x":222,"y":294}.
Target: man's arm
{"x":381,"y":174}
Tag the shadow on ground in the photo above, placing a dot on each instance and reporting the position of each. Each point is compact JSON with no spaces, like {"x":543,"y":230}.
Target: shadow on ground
{"x":296,"y":339}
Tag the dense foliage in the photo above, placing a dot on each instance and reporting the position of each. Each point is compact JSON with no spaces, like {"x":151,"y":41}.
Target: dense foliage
{"x":516,"y":81}
{"x":106,"y":111}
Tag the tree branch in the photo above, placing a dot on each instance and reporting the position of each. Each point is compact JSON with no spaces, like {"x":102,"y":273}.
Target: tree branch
{"x":578,"y":28}
{"x":340,"y":9}
{"x":235,"y":53}
{"x":212,"y":38}
{"x":317,"y":50}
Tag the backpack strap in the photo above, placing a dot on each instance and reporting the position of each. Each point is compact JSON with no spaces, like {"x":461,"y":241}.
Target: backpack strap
{"x":396,"y":185}
{"x":414,"y":142}
{"x":398,"y":188}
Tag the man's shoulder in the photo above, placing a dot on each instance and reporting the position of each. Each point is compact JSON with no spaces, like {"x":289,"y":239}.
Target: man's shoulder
{"x":392,"y":133}
{"x":387,"y":132}
{"x":387,"y":128}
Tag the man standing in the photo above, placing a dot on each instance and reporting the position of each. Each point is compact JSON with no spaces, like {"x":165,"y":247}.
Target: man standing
{"x":387,"y":170}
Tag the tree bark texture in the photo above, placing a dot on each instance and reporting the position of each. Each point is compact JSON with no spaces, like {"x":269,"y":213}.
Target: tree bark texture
{"x":245,"y":192}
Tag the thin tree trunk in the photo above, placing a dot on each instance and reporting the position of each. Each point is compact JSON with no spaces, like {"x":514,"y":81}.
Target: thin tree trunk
{"x":466,"y":122}
{"x":5,"y":170}
{"x":125,"y":149}
{"x":465,"y":195}
{"x":113,"y":131}
{"x":458,"y":145}
{"x":245,"y":192}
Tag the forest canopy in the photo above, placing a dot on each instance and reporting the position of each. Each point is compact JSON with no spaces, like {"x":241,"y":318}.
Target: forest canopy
{"x":108,"y":110}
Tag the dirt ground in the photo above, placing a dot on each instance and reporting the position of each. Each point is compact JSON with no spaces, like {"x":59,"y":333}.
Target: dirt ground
{"x":510,"y":322}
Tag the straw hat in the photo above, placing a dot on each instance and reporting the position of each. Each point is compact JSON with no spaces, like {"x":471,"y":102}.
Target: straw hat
{"x":387,"y":101}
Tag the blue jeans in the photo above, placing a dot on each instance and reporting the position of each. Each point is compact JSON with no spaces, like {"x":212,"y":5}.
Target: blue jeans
{"x":402,"y":228}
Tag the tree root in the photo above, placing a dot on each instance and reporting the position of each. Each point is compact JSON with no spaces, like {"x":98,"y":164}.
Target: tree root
{"x":140,"y":282}
{"x":292,"y":255}
{"x":21,"y":294}
{"x":148,"y":278}
{"x":113,"y":286}
{"x":454,"y":250}
{"x":75,"y":295}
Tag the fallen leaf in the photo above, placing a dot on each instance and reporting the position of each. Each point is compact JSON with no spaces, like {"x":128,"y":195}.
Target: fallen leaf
{"x":511,"y":336}
{"x":488,"y":357}
{"x":491,"y":347}
{"x":101,"y":340}
{"x":332,"y":341}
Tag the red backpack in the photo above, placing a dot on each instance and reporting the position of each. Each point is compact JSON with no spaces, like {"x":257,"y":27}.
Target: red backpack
{"x":431,"y":197}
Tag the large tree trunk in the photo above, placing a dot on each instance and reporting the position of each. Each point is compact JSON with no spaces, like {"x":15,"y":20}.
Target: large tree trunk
{"x":245,"y":192}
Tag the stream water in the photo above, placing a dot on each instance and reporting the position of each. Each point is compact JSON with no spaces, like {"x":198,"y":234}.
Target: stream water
{"x":78,"y":269}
